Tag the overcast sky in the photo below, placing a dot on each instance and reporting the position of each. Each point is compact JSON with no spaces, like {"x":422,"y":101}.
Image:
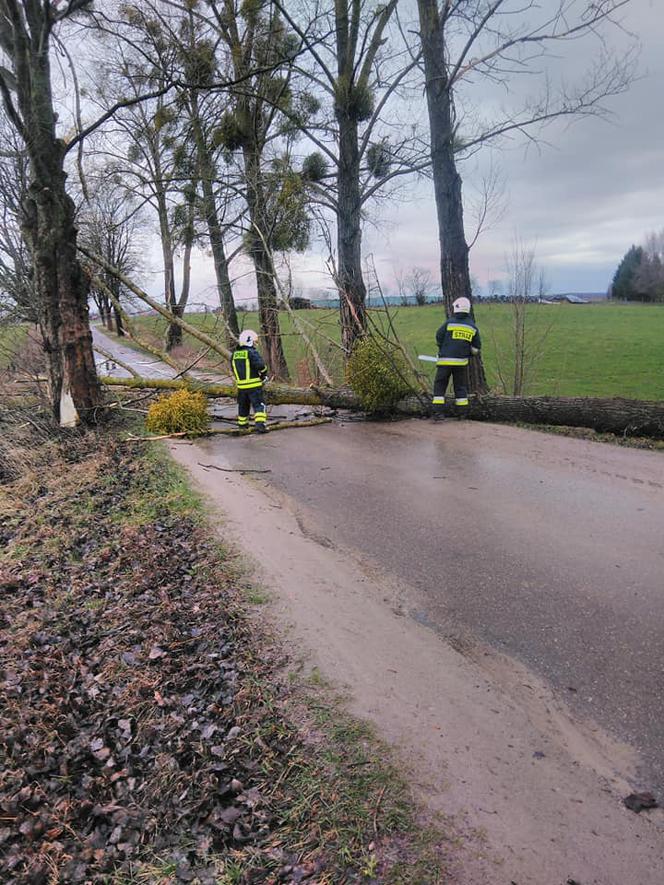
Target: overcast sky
{"x":580,"y":200}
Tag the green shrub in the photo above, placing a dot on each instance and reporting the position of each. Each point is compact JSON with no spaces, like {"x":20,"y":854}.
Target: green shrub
{"x":184,"y":411}
{"x":378,"y":374}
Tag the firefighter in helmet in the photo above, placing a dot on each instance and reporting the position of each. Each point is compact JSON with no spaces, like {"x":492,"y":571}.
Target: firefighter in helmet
{"x":457,"y":339}
{"x":249,"y":371}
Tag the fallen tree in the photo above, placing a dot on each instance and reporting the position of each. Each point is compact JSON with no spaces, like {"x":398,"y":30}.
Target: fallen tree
{"x":625,"y":417}
{"x":212,"y":343}
{"x":276,"y":394}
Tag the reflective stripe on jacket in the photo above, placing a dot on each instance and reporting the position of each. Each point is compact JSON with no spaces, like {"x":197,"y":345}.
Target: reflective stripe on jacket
{"x":249,"y":370}
{"x":455,"y":338}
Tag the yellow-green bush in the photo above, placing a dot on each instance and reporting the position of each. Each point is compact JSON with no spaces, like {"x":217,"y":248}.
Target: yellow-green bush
{"x":378,"y":374}
{"x":184,"y":411}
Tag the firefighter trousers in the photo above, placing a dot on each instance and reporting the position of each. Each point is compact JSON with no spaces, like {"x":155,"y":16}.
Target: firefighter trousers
{"x":459,"y":376}
{"x":248,"y":399}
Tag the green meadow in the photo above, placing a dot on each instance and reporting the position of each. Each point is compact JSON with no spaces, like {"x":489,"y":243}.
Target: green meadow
{"x":573,"y":350}
{"x":12,"y":339}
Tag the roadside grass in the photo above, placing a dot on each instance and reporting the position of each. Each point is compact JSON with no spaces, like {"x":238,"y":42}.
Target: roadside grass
{"x":256,"y":595}
{"x":176,"y":495}
{"x":106,"y":526}
{"x":364,"y":792}
{"x":12,"y":339}
{"x":582,"y":350}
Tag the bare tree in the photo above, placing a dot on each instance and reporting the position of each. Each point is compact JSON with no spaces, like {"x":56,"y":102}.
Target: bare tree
{"x":485,"y":41}
{"x":359,"y":65}
{"x":17,"y":299}
{"x":531,"y":322}
{"x":419,"y":282}
{"x":48,"y":212}
{"x":146,"y":148}
{"x":649,"y":275}
{"x":110,"y":226}
{"x":178,"y":46}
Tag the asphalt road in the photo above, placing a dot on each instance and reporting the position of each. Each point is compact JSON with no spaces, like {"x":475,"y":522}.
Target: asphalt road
{"x":548,"y":548}
{"x":145,"y":364}
{"x":551,"y":549}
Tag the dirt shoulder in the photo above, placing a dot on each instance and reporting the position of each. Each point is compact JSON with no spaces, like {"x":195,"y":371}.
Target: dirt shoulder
{"x":533,"y":795}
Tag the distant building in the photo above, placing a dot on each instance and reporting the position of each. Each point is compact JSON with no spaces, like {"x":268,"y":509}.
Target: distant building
{"x":299,"y":303}
{"x":579,"y":297}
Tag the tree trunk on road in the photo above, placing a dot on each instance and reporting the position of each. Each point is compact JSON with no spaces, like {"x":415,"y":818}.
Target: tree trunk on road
{"x":607,"y":415}
{"x":618,"y":416}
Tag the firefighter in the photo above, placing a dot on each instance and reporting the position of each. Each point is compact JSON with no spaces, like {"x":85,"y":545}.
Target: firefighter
{"x":457,"y":339}
{"x":250,"y":372}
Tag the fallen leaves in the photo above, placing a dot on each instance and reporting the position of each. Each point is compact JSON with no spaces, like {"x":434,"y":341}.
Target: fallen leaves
{"x":120,"y":727}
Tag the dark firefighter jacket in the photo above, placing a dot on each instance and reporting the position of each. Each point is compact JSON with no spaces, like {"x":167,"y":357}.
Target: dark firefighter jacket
{"x":455,"y":339}
{"x":249,"y":369}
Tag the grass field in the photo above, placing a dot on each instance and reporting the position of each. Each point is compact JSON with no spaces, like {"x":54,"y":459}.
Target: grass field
{"x":579,"y":350}
{"x":11,"y":341}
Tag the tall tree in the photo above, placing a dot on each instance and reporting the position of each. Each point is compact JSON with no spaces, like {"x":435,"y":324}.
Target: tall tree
{"x":260,"y":53}
{"x":146,"y":149}
{"x":109,"y":226}
{"x":16,"y":290}
{"x":359,"y":66}
{"x":196,"y":52}
{"x":177,"y":46}
{"x":48,"y":212}
{"x":480,"y":40}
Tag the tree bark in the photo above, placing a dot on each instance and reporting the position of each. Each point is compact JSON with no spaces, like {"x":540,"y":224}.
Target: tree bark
{"x":62,"y":293}
{"x":268,"y":305}
{"x":173,"y":329}
{"x":167,"y":251}
{"x":48,"y":228}
{"x":454,"y":266}
{"x":352,"y":291}
{"x":206,"y":171}
{"x":119,"y":328}
{"x":616,"y":415}
{"x":108,"y":318}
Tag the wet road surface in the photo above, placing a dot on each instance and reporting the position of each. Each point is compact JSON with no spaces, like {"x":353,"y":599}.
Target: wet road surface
{"x":551,"y":549}
{"x":145,"y":364}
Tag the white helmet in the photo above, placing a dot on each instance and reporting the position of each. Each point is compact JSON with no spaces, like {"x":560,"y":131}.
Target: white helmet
{"x":461,"y":305}
{"x":248,"y":338}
